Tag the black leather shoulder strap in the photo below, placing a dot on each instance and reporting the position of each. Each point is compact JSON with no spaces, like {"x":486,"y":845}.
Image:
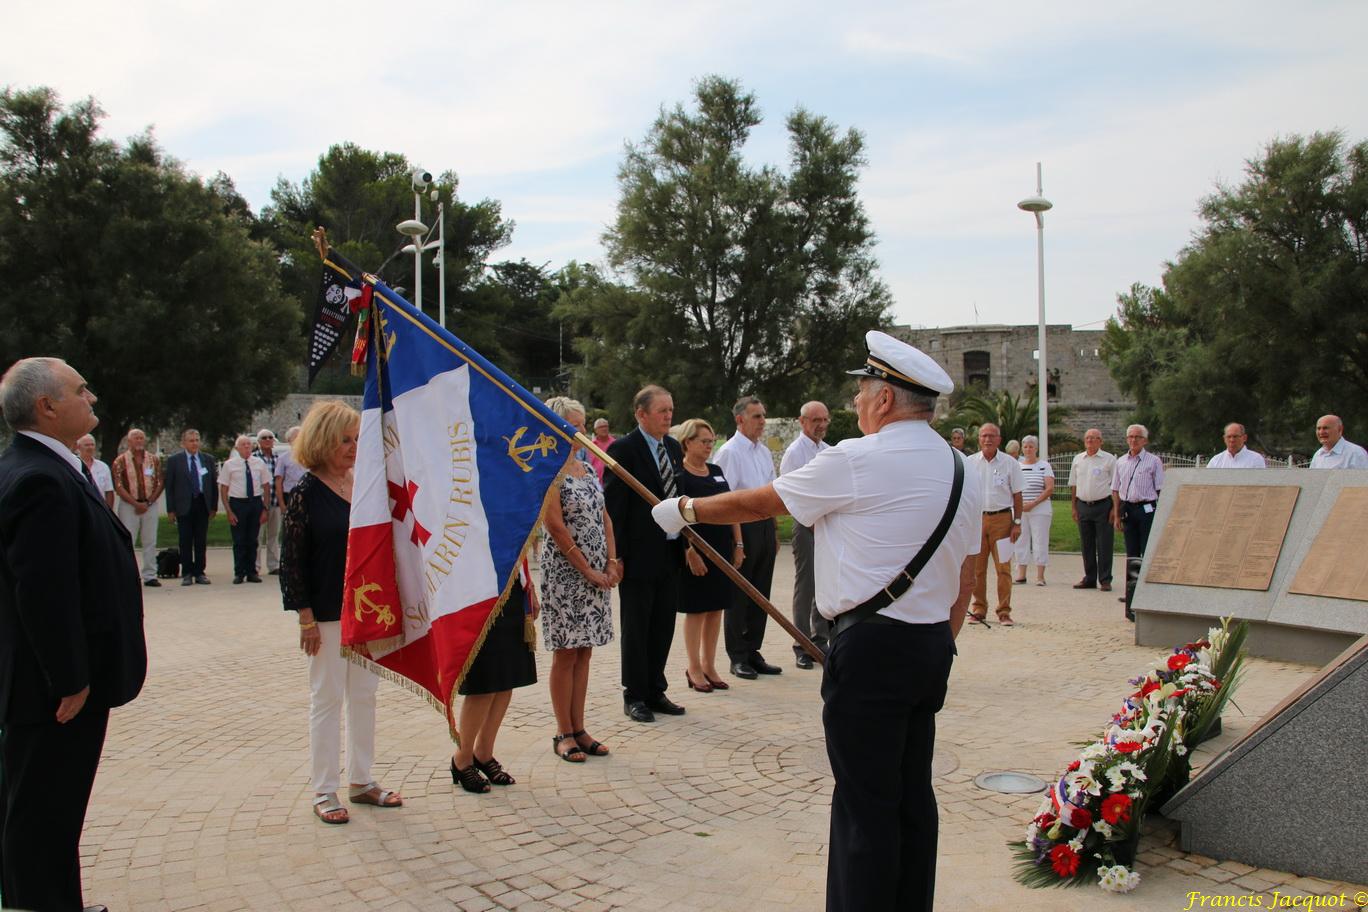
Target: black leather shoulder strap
{"x":904,"y":580}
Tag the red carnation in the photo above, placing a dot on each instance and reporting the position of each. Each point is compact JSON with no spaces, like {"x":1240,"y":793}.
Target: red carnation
{"x":1149,"y":687}
{"x":1176,"y":662}
{"x":1082,"y":818}
{"x":1073,"y":766}
{"x":1064,"y":860}
{"x":1128,"y":747}
{"x":1116,"y":808}
{"x":1045,"y":820}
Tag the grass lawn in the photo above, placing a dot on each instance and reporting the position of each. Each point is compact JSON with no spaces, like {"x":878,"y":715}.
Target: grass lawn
{"x":217,"y":536}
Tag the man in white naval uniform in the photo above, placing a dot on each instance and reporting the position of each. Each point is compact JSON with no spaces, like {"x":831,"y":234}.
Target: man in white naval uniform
{"x":874,"y":502}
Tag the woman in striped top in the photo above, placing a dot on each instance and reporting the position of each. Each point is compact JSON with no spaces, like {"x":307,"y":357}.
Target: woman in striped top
{"x":1036,"y":511}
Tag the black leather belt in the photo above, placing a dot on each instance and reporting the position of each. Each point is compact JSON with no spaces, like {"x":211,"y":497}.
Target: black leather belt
{"x":1093,"y":502}
{"x":996,"y":512}
{"x":1139,"y":503}
{"x":848,"y":620}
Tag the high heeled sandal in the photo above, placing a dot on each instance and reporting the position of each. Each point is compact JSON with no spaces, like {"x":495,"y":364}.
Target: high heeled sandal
{"x":469,"y":778}
{"x":574,"y":755}
{"x":493,"y":771}
{"x":593,"y":749}
{"x":704,"y":687}
{"x":717,"y":684}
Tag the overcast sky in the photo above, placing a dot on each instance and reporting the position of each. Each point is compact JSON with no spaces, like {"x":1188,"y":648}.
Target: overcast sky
{"x":1135,"y":109}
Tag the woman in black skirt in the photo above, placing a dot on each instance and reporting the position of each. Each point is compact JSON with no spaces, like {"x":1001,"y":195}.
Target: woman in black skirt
{"x":503,"y":663}
{"x":704,"y":590}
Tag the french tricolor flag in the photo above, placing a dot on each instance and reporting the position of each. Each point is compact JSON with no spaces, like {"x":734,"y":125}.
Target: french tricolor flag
{"x":453,"y":465}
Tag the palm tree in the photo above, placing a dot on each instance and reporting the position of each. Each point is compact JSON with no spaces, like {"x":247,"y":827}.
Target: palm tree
{"x":1016,"y":416}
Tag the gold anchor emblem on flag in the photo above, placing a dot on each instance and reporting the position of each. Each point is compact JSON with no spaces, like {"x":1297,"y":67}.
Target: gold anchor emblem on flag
{"x":384,"y":614}
{"x":543,"y":445}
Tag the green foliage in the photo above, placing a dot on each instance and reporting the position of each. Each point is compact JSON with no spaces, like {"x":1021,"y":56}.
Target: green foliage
{"x":743,"y":279}
{"x":1015,"y":416}
{"x":359,"y":196}
{"x":844,"y":424}
{"x":1263,"y":319}
{"x":147,"y":279}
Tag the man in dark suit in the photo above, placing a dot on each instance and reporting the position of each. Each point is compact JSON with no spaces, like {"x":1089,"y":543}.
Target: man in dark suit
{"x":649,"y":591}
{"x":71,"y":634}
{"x":191,"y":501}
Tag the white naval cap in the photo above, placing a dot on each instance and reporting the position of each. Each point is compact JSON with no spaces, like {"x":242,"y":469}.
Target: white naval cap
{"x":896,"y":362}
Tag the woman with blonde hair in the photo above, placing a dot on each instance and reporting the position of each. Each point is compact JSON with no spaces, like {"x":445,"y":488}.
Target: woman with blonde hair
{"x":704,"y":590}
{"x":313,"y":563}
{"x":1036,"y":510}
{"x":579,"y":569}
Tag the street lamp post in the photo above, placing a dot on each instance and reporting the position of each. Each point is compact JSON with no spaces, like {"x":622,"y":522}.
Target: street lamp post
{"x":1038,"y":205}
{"x":415,"y":230}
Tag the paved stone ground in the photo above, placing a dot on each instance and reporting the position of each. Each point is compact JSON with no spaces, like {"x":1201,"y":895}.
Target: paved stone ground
{"x":202,"y":800}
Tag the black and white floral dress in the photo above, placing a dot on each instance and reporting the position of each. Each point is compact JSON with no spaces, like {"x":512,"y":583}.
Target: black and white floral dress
{"x":574,"y":613}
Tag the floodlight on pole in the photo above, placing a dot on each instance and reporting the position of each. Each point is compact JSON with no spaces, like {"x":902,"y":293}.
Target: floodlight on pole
{"x":1038,"y":205}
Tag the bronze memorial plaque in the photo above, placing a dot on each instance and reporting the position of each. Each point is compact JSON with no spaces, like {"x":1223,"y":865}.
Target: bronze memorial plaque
{"x":1224,"y":536}
{"x":1335,"y":565}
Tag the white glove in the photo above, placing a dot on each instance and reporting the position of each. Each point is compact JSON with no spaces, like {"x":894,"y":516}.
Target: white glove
{"x":667,"y":515}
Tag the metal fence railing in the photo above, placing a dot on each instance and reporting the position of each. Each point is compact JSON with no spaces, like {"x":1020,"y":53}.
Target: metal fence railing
{"x":1061,"y":462}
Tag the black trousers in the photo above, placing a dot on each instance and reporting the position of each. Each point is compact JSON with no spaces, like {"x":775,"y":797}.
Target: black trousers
{"x":192,"y":529}
{"x":46,"y":773}
{"x":1098,"y":540}
{"x":743,"y":626}
{"x":805,"y":615}
{"x":245,"y":533}
{"x":647,"y":632}
{"x":1135,"y":526}
{"x":882,"y":687}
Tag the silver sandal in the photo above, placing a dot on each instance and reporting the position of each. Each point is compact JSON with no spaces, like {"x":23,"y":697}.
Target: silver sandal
{"x":362,"y":795}
{"x":328,"y":804}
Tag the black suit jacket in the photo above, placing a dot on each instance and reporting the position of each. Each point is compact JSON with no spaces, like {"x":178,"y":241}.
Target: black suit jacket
{"x":180,"y":487}
{"x":71,"y":610}
{"x":641,"y":544}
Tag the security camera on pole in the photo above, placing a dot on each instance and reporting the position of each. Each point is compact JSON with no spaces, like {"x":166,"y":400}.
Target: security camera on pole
{"x":414,"y":228}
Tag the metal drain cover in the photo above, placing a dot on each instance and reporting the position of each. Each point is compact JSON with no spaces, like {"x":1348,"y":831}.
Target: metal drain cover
{"x":1010,"y":783}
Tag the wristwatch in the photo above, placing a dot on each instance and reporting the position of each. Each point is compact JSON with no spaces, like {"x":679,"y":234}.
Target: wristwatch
{"x":1016,"y":520}
{"x":686,"y":510}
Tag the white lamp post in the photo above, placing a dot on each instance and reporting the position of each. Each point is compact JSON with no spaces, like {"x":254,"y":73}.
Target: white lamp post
{"x":415,"y":230}
{"x":1037,"y":205}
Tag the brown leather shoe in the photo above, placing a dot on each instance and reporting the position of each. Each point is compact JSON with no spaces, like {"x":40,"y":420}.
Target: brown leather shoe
{"x":1105,"y":587}
{"x":1084,"y":584}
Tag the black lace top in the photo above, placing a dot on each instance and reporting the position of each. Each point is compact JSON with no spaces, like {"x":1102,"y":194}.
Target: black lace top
{"x":313,"y":551}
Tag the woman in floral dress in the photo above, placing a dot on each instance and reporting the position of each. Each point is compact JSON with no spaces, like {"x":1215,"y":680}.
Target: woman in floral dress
{"x":579,"y":569}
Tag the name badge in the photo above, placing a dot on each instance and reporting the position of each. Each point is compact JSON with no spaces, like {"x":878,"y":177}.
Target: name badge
{"x":1000,"y":480}
{"x":1096,"y":472}
{"x":203,"y":471}
{"x":1149,"y":508}
{"x":720,"y":479}
{"x":147,"y":470}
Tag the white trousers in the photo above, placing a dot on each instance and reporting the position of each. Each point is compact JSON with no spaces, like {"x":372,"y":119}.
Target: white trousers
{"x":144,"y":527}
{"x":270,"y":541}
{"x":1033,"y":545}
{"x":332,"y":679}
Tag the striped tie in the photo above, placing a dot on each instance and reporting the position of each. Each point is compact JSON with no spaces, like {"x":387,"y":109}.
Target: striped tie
{"x":667,"y":478}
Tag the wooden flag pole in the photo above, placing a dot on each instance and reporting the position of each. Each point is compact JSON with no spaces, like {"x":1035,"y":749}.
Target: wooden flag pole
{"x":707,"y":551}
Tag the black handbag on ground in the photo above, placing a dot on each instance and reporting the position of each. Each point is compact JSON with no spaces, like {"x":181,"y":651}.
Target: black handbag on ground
{"x":168,"y":563}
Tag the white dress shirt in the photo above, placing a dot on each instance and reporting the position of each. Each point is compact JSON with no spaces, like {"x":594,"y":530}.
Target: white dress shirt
{"x":873,"y":501}
{"x":104,"y":479}
{"x":234,"y":476}
{"x":1343,"y":455}
{"x":745,"y":464}
{"x":1000,"y":478}
{"x":1245,"y":459}
{"x":1091,"y":476}
{"x":800,"y":453}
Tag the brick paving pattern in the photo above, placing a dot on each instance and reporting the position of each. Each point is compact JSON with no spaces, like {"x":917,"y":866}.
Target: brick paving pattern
{"x":202,"y":800}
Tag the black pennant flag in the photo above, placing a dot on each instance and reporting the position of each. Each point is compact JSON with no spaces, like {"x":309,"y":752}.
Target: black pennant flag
{"x":340,"y":286}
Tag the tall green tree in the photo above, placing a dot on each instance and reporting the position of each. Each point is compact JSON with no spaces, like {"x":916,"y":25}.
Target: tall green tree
{"x":743,"y":278}
{"x":1015,"y":416}
{"x":146,"y":278}
{"x":1263,"y":318}
{"x":359,"y":196}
